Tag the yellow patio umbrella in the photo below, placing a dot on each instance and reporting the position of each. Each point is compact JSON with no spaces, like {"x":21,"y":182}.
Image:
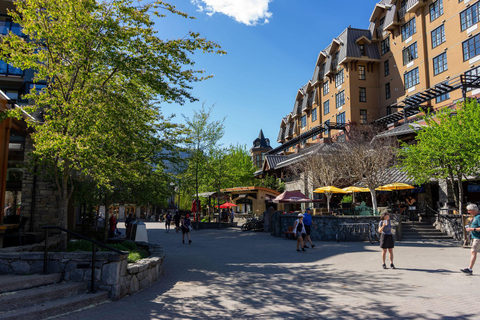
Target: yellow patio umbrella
{"x":328,"y":190}
{"x":354,"y":189}
{"x":395,"y":186}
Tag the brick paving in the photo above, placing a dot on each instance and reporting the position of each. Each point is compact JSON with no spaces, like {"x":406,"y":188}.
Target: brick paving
{"x":229,"y":274}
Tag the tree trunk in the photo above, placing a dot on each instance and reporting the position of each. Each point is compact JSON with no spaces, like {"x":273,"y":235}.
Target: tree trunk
{"x":460,"y":194}
{"x":374,"y":200}
{"x":329,"y":196}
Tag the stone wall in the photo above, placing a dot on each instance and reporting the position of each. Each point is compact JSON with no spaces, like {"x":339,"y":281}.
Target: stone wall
{"x":47,"y":199}
{"x":327,"y":226}
{"x":113,"y":273}
{"x":451,"y":224}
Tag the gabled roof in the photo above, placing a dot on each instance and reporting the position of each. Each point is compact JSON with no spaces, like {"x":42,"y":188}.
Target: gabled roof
{"x":271,"y":161}
{"x":379,"y":8}
{"x":401,"y":130}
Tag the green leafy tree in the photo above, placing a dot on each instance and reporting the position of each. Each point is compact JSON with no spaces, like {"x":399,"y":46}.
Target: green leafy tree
{"x":447,"y":148}
{"x":271,"y":182}
{"x":239,"y":168}
{"x":202,"y":138}
{"x":105,"y":70}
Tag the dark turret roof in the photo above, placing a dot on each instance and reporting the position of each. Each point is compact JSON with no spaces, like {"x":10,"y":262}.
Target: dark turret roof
{"x":261,"y":142}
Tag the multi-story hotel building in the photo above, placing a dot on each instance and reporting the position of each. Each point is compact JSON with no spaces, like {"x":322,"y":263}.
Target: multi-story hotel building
{"x":411,"y":57}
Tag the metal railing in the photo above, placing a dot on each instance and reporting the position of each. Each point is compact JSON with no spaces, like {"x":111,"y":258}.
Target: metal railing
{"x":94,"y":242}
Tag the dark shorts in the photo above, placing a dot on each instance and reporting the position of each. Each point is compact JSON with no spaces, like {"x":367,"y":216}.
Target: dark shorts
{"x":185,"y":229}
{"x":307,"y":229}
{"x":386,"y":241}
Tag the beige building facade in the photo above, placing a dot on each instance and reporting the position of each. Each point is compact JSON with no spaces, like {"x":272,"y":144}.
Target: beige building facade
{"x":413,"y":50}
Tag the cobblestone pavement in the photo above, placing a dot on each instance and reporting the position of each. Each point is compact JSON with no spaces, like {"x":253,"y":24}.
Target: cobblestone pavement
{"x":229,"y":274}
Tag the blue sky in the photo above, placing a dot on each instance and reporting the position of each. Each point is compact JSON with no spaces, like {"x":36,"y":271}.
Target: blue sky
{"x":272,"y":47}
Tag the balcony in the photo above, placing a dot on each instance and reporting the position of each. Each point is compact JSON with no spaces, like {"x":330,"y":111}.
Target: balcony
{"x":412,"y":6}
{"x":334,"y":64}
{"x":401,"y":13}
{"x":380,"y":30}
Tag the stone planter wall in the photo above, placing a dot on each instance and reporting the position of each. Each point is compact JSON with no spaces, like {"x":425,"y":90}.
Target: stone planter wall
{"x":451,"y":224}
{"x":327,"y":226}
{"x":113,"y":273}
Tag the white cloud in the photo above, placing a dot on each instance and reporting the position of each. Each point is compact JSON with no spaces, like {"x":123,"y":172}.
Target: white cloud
{"x":249,"y":12}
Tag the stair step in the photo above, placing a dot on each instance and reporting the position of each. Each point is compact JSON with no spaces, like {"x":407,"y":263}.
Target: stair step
{"x":57,"y":307}
{"x":33,"y":296}
{"x":21,"y":282}
{"x":422,"y":231}
{"x":426,"y":238}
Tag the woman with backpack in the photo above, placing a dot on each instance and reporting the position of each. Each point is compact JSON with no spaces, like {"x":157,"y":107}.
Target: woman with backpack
{"x":299,"y":230}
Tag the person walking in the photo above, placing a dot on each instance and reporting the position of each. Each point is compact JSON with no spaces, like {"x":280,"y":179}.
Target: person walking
{"x":386,"y":238}
{"x":176,"y":219}
{"x":232,"y":215}
{"x":299,"y":230}
{"x":308,"y":222}
{"x":128,"y":225}
{"x":168,"y":220}
{"x":474,"y":228}
{"x":186,"y":227}
{"x":112,"y":225}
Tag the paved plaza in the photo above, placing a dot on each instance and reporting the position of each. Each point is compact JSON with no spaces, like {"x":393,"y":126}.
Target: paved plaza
{"x":229,"y":274}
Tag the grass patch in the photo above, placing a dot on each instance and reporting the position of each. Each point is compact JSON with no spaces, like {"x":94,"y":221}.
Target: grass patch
{"x":134,"y":252}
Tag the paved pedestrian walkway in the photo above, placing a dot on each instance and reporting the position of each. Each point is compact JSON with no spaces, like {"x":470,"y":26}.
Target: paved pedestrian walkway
{"x":229,"y":274}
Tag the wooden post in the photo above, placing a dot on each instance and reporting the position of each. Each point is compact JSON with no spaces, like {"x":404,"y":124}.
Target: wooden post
{"x":5,"y":126}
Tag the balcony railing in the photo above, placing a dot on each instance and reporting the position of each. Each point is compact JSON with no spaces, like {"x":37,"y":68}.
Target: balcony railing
{"x":401,"y":13}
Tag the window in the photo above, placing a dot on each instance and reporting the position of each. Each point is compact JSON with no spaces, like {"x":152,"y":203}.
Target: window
{"x":362,"y":49}
{"x":386,"y":67}
{"x":326,"y":107}
{"x":387,"y":90}
{"x":469,"y":16}
{"x":385,"y":45}
{"x":325,"y":87}
{"x":6,"y":69}
{"x":314,"y":114}
{"x":11,"y":94}
{"x":361,"y":73}
{"x":304,"y":121}
{"x":473,"y":73}
{"x":440,"y":64}
{"x":7,"y":25}
{"x":438,"y":36}
{"x":38,"y":87}
{"x":411,"y":78}
{"x":363,"y":116}
{"x":443,"y":97}
{"x":339,"y":78}
{"x":408,"y":29}
{"x":340,"y":99}
{"x":327,"y":124}
{"x":363,"y":95}
{"x":341,"y":118}
{"x":389,"y":110}
{"x":410,"y":53}
{"x":436,"y":9}
{"x":471,"y":47}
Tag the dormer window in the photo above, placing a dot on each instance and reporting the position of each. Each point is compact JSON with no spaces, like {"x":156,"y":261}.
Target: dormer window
{"x":362,"y":49}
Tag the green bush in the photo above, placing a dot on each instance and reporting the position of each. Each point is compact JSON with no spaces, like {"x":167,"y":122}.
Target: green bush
{"x":79,"y":245}
{"x":135,"y":253}
{"x":348,"y":198}
{"x":130,"y":245}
